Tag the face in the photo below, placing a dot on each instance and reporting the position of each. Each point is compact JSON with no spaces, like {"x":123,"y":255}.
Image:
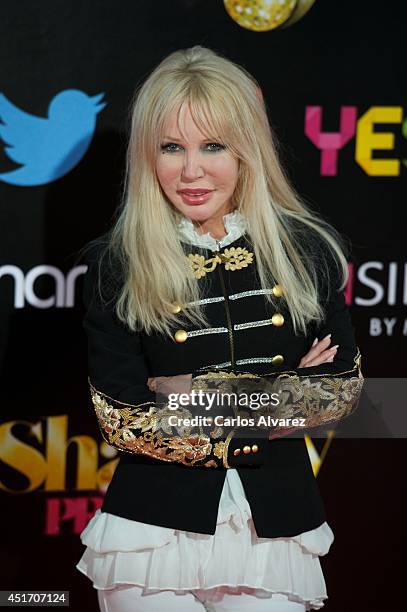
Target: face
{"x":188,"y":160}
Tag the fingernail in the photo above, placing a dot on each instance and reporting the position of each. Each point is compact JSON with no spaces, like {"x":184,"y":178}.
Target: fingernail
{"x":328,"y":336}
{"x":335,"y":347}
{"x":330,"y":359}
{"x":315,"y":341}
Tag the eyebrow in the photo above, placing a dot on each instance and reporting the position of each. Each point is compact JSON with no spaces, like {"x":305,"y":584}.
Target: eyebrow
{"x":178,"y":140}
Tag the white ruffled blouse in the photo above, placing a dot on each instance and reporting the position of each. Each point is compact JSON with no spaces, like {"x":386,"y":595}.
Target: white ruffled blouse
{"x":123,"y":551}
{"x":235,"y":226}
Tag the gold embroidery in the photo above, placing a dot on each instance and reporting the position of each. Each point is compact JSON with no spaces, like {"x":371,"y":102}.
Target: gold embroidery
{"x":218,"y":449}
{"x":144,"y":428}
{"x":317,"y":398}
{"x":200,"y":266}
{"x":234,"y":258}
{"x":216,"y":433}
{"x":223,"y":374}
{"x":226,"y":448}
{"x":202,"y":382}
{"x":320,"y":401}
{"x":210,"y":463}
{"x":140,"y":429}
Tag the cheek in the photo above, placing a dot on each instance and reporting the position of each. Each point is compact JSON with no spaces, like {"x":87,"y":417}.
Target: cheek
{"x":166,"y":170}
{"x":226,"y":170}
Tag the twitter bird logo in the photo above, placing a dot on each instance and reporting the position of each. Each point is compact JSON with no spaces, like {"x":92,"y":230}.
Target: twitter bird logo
{"x":48,"y":148}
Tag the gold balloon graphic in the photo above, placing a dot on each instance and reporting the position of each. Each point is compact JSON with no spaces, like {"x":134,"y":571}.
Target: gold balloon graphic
{"x":264,"y":15}
{"x":303,"y":6}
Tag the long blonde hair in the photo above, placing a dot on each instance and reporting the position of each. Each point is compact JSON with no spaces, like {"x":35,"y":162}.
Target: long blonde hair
{"x":226,"y":104}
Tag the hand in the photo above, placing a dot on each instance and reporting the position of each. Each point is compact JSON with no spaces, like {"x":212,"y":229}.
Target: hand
{"x":319,"y":353}
{"x":170,"y":384}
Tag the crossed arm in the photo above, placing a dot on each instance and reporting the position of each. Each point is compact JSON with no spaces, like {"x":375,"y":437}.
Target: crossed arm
{"x":132,"y":419}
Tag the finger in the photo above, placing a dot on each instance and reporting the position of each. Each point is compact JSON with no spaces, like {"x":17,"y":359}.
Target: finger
{"x":326,"y":356}
{"x":321,"y":344}
{"x":152,"y":383}
{"x":306,"y":361}
{"x":316,"y":350}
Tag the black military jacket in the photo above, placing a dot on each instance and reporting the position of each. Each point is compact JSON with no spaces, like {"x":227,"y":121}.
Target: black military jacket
{"x":178,"y":485}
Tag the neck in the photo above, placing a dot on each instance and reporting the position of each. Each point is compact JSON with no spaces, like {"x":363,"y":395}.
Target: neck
{"x":217,"y":233}
{"x":215,"y":227}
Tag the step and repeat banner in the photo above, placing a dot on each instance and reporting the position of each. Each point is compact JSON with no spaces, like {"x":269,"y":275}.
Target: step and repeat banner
{"x":332,"y":75}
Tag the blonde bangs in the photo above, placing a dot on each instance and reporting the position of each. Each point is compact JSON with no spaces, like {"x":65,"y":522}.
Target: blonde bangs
{"x":216,"y":116}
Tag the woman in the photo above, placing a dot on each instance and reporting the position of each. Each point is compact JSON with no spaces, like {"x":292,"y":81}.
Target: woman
{"x":214,"y":268}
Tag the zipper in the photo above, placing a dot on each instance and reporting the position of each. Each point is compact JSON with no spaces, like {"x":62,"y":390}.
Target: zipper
{"x":229,"y":319}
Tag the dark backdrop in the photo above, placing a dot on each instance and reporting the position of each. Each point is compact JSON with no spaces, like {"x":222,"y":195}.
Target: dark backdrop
{"x":342,"y":60}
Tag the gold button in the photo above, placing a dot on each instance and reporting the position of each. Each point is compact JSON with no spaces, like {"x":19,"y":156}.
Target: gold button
{"x":277,"y":319}
{"x":236,"y":452}
{"x":255,"y":448}
{"x":181,"y":335}
{"x":277,"y":359}
{"x":277,"y":290}
{"x":246,"y":450}
{"x":176,"y":307}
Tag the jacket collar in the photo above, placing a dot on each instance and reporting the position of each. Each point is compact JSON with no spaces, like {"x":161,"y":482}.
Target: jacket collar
{"x":235,"y":225}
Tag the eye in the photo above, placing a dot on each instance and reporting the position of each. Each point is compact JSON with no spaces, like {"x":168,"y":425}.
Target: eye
{"x":168,"y":147}
{"x":220,"y":147}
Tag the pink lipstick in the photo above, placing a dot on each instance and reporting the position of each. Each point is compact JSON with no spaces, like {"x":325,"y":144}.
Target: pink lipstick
{"x":195,"y":196}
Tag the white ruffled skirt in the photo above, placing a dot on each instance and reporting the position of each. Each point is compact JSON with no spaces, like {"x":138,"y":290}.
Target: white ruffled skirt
{"x":122,"y":551}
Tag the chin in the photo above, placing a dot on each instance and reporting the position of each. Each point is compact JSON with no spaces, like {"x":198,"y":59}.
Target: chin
{"x":199,"y":215}
{"x":201,"y":212}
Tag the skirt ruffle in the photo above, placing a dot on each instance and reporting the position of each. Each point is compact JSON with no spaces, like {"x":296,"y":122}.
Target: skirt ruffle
{"x":122,"y":551}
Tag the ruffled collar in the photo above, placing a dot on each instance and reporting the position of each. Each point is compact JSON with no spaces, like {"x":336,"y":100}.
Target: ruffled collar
{"x":235,"y":226}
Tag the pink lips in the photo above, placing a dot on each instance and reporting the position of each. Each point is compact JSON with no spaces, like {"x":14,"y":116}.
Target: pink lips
{"x":189,"y":196}
{"x":194,"y":191}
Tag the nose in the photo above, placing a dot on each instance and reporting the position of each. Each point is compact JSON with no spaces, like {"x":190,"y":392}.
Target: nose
{"x":192,"y":166}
